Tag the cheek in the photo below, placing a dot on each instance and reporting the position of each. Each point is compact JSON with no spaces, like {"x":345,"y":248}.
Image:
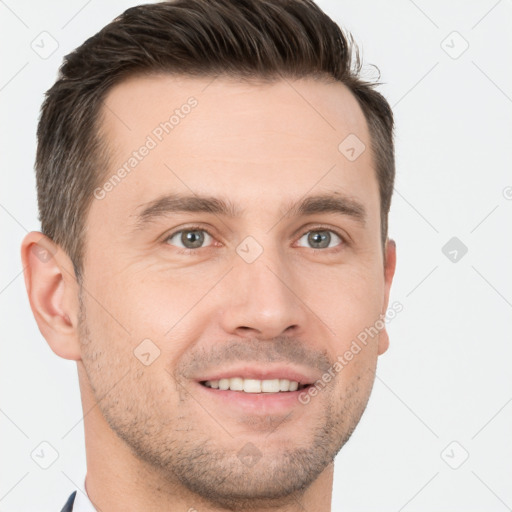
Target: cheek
{"x":126,"y":368}
{"x":347,"y":299}
{"x":354,"y":310}
{"x":149,"y":301}
{"x":153,"y":312}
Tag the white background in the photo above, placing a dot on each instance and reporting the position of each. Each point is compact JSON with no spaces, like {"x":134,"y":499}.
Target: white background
{"x":446,"y":375}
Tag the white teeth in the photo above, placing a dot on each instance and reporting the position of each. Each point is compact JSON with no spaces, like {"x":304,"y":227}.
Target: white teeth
{"x":253,"y":385}
{"x":236,"y":384}
{"x":224,"y":384}
{"x":284,"y":384}
{"x":270,"y":386}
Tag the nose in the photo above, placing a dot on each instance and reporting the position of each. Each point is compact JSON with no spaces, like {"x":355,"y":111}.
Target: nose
{"x":263,"y":300}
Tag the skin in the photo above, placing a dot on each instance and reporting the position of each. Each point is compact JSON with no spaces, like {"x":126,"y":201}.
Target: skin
{"x":154,"y":437}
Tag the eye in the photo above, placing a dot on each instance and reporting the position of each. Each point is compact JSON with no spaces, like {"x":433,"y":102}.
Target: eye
{"x":321,"y":239}
{"x":190,"y":238}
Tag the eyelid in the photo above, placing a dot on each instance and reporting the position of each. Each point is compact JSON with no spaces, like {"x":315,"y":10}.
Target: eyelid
{"x":174,"y":232}
{"x":345,"y":238}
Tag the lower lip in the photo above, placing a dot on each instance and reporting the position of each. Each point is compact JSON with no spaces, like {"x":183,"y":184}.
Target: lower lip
{"x":255,"y":403}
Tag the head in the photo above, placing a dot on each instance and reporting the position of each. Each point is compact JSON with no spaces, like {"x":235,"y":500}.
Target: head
{"x":214,"y":181}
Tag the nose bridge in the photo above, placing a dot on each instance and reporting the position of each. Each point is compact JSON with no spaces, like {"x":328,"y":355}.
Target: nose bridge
{"x":262,"y":301}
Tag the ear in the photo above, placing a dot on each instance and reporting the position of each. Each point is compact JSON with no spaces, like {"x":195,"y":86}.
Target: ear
{"x":52,"y":292}
{"x":389,"y":272}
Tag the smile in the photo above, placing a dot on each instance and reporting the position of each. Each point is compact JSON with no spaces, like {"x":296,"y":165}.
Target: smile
{"x":254,"y":385}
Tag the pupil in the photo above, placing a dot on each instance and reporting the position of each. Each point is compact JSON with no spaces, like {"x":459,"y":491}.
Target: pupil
{"x":319,"y":239}
{"x":192,"y":239}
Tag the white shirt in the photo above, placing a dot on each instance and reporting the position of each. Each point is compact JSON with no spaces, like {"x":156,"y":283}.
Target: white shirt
{"x":82,"y":502}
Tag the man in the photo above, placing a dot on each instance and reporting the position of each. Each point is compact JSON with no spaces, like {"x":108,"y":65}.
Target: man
{"x":214,"y":181}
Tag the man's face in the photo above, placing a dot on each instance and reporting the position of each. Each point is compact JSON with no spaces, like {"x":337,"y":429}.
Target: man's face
{"x":246,"y":286}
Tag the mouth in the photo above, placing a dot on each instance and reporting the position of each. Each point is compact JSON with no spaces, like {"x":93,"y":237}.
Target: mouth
{"x":256,"y":390}
{"x":248,"y":385}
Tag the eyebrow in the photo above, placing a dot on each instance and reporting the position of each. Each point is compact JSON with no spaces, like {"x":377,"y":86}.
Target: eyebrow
{"x":176,"y":203}
{"x":328,"y":203}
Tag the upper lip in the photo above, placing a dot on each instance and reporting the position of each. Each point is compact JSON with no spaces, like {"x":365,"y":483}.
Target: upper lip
{"x":261,"y":373}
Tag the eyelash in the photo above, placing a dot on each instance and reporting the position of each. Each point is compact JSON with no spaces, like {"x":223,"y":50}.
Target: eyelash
{"x":187,"y":251}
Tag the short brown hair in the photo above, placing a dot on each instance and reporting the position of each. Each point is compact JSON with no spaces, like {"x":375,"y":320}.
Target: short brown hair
{"x":265,"y":39}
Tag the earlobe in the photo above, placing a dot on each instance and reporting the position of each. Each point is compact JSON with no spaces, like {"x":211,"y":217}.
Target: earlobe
{"x":383,"y":342}
{"x":52,"y":292}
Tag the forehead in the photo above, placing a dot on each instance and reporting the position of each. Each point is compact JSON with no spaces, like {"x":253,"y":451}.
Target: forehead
{"x":256,"y":142}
